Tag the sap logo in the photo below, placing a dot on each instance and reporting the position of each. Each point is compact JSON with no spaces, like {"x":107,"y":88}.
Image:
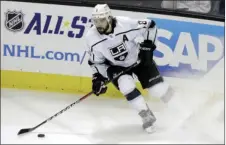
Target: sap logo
{"x":188,"y":50}
{"x":56,"y":25}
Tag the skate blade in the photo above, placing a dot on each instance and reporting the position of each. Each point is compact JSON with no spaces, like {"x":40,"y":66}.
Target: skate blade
{"x":150,"y":129}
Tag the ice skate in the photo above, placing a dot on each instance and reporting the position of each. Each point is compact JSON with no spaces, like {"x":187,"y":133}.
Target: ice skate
{"x":148,"y":119}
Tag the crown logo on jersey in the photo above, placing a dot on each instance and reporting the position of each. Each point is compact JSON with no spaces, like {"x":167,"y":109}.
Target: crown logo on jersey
{"x":119,"y":52}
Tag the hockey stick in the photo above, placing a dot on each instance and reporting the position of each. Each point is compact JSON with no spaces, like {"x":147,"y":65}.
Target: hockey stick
{"x":26,"y":130}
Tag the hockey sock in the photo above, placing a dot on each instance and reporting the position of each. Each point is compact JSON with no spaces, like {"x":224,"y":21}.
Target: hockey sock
{"x":138,"y":103}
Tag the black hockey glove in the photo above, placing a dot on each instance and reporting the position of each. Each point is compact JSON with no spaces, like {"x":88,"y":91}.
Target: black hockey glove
{"x":98,"y":84}
{"x":146,"y":52}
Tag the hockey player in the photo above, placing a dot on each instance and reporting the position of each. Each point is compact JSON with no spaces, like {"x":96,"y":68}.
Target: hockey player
{"x":116,"y":43}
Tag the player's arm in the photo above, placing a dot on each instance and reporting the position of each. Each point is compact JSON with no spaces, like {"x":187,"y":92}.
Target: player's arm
{"x":99,"y":77}
{"x":148,"y":30}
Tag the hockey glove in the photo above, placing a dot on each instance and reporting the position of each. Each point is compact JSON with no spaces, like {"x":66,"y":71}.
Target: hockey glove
{"x":146,"y":52}
{"x":98,"y":84}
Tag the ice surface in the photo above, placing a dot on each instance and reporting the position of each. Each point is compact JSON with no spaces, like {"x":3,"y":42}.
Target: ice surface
{"x":193,"y":118}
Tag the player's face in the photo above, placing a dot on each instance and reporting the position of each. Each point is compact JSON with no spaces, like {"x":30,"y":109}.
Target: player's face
{"x":101,"y":24}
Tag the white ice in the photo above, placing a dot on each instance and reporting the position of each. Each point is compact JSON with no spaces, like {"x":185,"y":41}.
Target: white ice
{"x":197,"y":119}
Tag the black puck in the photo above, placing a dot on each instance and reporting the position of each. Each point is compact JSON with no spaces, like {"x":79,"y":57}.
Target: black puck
{"x":41,"y":135}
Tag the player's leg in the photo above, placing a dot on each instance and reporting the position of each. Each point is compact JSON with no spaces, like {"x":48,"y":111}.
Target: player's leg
{"x":175,"y":112}
{"x":127,"y":87}
{"x":151,"y":80}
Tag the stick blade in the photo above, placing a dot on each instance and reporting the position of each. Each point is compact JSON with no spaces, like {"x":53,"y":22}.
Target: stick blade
{"x":25,"y":130}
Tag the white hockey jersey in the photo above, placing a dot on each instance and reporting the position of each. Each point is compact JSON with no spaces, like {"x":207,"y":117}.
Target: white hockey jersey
{"x":121,"y":47}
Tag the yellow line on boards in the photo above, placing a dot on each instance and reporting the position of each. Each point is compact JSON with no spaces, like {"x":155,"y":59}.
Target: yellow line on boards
{"x":54,"y":83}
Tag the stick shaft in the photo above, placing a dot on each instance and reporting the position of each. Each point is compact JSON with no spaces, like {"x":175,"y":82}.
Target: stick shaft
{"x":79,"y":100}
{"x":63,"y":110}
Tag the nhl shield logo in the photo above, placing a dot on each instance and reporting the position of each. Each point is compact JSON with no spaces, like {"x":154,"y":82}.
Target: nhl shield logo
{"x":14,"y":21}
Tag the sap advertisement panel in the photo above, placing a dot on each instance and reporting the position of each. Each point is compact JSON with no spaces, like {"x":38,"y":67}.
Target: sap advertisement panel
{"x":187,"y":49}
